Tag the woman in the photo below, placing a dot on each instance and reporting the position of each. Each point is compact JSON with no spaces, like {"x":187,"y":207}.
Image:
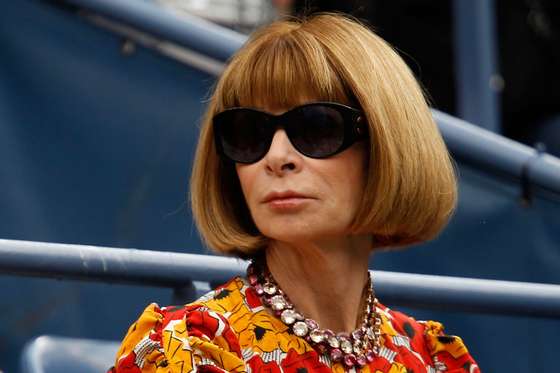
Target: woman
{"x":317,"y":148}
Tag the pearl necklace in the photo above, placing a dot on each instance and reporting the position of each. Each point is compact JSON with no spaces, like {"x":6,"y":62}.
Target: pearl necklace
{"x":355,"y":349}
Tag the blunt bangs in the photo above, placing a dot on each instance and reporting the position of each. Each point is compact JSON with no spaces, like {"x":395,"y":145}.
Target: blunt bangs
{"x":279,"y":63}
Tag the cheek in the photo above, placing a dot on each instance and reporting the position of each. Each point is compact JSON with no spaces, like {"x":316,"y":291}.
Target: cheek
{"x":348,"y":179}
{"x":350,"y":189}
{"x":247,"y":180}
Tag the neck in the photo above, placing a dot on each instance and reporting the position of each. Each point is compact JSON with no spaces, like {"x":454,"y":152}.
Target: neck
{"x":324,"y":281}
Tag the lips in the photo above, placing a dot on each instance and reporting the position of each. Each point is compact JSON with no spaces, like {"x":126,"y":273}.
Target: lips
{"x":283,"y":195}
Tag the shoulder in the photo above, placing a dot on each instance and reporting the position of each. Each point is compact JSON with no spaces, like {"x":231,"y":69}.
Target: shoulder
{"x":229,"y":297}
{"x":197,"y":334}
{"x":427,"y":341}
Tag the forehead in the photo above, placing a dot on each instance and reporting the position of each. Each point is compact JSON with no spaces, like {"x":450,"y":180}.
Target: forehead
{"x":280,"y":108}
{"x":285,"y":96}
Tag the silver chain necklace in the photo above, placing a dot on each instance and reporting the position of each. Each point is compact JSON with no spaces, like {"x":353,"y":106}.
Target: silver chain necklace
{"x":355,"y":349}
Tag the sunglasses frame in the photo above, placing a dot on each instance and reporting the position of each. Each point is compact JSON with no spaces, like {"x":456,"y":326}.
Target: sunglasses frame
{"x":353,"y":122}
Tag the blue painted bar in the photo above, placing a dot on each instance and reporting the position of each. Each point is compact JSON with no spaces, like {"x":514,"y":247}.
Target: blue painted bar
{"x":131,"y":266}
{"x":190,"y":32}
{"x":477,"y":78}
{"x":497,"y":154}
{"x":144,"y":267}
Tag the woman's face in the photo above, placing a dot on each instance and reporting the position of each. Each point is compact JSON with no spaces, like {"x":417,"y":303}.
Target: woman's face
{"x":294,"y":198}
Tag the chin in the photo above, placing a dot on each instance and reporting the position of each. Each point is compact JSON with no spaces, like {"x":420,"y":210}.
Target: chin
{"x":292,"y":233}
{"x":285,"y":234}
{"x":298,"y":227}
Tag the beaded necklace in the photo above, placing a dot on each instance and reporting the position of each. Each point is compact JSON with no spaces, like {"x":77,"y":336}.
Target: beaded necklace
{"x":353,"y":350}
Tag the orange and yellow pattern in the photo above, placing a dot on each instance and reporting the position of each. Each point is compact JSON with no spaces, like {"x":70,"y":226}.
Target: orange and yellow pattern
{"x":229,"y":330}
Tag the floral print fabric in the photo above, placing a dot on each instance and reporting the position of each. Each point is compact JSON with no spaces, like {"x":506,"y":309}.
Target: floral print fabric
{"x":229,"y":330}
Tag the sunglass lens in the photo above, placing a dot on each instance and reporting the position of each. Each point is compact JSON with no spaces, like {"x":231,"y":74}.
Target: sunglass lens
{"x":318,"y":131}
{"x":242,"y":135}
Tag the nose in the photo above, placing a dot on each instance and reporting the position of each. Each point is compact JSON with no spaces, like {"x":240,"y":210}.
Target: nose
{"x":282,"y":157}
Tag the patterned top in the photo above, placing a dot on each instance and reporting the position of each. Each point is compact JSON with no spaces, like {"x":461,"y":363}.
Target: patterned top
{"x":229,"y":330}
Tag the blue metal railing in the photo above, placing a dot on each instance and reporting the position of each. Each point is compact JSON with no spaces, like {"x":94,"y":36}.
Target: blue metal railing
{"x":499,"y":155}
{"x":182,"y":271}
{"x":193,"y":33}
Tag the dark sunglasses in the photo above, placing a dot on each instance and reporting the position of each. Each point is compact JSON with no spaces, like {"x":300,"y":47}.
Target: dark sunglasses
{"x":316,"y":130}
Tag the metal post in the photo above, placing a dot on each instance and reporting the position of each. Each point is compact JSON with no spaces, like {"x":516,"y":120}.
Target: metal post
{"x":478,"y":81}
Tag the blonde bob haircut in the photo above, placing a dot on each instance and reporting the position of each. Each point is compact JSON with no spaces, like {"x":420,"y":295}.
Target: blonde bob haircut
{"x":410,"y":191}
